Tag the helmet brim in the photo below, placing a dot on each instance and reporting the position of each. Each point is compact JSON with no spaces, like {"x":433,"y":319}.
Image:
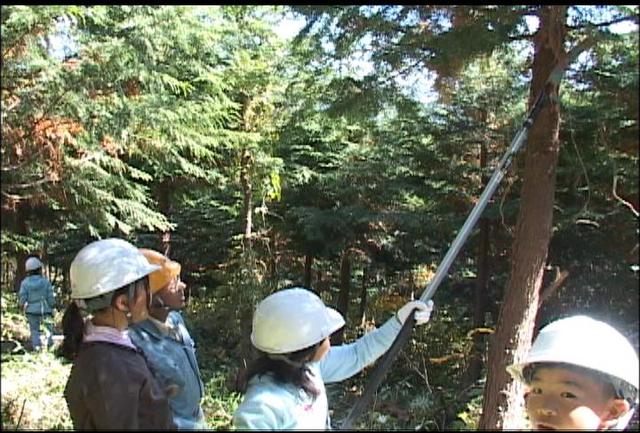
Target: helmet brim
{"x":336,"y":321}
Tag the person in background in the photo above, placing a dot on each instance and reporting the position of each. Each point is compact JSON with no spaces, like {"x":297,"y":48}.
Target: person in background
{"x":36,"y":298}
{"x":167,"y":345}
{"x":580,"y":374}
{"x":110,"y":386}
{"x":285,"y":386}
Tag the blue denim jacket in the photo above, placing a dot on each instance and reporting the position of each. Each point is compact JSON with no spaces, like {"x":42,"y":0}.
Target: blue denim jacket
{"x":270,"y":405}
{"x":172,"y":359}
{"x":38,"y":292}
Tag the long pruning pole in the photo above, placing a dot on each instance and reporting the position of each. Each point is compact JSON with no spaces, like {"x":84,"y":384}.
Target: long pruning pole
{"x":376,"y":378}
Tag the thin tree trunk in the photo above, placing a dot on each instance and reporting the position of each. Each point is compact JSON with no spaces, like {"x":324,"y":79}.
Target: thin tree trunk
{"x":22,"y":215}
{"x":308,"y":268}
{"x":321,"y":284}
{"x":344,"y":295}
{"x":54,"y":274}
{"x":474,"y":368}
{"x":5,"y":273}
{"x":164,"y":204}
{"x":273,"y":258}
{"x":503,"y":401}
{"x":247,"y":197}
{"x":246,"y":163}
{"x":363,"y":296}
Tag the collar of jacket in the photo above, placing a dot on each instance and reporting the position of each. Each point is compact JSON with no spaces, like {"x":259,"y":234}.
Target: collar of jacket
{"x":151,"y":328}
{"x":160,"y":329}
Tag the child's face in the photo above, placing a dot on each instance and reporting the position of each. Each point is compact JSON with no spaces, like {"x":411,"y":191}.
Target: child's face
{"x":560,"y":398}
{"x":322,"y":350}
{"x":173,"y":294}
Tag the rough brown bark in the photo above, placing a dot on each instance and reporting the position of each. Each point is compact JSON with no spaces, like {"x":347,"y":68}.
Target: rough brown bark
{"x":503,"y":403}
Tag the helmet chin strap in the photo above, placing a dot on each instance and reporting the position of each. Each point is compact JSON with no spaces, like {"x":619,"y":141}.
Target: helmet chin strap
{"x":157,"y":302}
{"x":131,"y":294}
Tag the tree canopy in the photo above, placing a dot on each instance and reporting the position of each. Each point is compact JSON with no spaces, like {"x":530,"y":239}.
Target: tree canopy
{"x":345,"y":158}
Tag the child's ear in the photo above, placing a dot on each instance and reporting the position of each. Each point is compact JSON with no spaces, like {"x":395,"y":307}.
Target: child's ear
{"x":121,"y":303}
{"x":615,"y":409}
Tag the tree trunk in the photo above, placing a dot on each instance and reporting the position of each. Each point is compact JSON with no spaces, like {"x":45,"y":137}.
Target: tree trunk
{"x":474,"y":369}
{"x":503,"y":401}
{"x":345,"y":292}
{"x":246,"y":163}
{"x":164,"y":204}
{"x":5,"y":281}
{"x":363,"y":296}
{"x":273,"y":258}
{"x":247,"y":197}
{"x":22,"y":215}
{"x":308,"y":267}
{"x":322,"y":285}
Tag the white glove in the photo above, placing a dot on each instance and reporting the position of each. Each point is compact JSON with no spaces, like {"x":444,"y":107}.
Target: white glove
{"x":422,"y":315}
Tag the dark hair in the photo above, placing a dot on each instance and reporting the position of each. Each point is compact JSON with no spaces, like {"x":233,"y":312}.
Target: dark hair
{"x":73,"y":323}
{"x":296,"y":371}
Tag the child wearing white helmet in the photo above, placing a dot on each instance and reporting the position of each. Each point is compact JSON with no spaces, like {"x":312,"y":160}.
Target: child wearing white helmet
{"x":110,"y":386}
{"x":581,"y":374}
{"x":37,"y":300}
{"x":167,"y":344}
{"x":285,"y":386}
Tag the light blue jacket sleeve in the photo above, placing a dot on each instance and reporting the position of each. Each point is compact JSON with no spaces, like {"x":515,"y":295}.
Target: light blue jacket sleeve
{"x":342,"y":362}
{"x":22,"y":295}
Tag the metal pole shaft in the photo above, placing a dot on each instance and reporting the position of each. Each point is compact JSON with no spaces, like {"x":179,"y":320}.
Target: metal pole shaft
{"x":378,"y":374}
{"x":554,"y":78}
{"x":466,"y":229}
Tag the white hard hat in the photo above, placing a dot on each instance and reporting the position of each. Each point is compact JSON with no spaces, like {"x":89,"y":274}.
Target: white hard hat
{"x":291,"y":320}
{"x":588,"y":343}
{"x":106,"y":265}
{"x":32,"y":264}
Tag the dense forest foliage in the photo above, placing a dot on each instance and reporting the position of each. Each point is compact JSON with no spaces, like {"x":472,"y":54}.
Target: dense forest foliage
{"x":345,"y":159}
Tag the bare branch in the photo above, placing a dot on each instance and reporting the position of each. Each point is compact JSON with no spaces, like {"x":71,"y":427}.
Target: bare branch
{"x":526,"y":36}
{"x":558,"y":280}
{"x":30,"y":184}
{"x":16,"y":197}
{"x":621,"y":200}
{"x":604,"y":24}
{"x":587,"y":222}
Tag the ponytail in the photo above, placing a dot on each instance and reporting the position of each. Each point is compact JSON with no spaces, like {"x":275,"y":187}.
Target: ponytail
{"x":289,"y":368}
{"x":73,"y":322}
{"x":72,"y":328}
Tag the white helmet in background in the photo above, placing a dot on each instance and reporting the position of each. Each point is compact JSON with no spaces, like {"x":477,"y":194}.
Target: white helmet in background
{"x":588,"y":343}
{"x":32,"y":264}
{"x":106,"y":265}
{"x":291,"y":320}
